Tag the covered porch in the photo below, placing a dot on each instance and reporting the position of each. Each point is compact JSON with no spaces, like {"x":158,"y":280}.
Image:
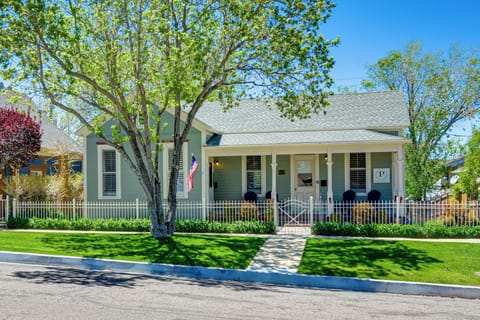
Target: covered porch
{"x":322,"y":172}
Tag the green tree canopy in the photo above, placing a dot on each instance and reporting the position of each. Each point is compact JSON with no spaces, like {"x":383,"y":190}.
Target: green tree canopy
{"x":131,"y":59}
{"x":469,"y":182}
{"x":440,"y":90}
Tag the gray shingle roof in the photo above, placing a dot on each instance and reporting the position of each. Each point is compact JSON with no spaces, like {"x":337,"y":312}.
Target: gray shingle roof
{"x":375,"y":110}
{"x":302,"y":137}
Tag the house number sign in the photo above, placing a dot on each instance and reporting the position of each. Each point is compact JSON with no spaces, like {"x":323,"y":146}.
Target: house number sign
{"x":381,"y":175}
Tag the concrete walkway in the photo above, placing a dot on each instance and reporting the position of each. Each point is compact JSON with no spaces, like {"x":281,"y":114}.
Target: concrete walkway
{"x":279,"y":254}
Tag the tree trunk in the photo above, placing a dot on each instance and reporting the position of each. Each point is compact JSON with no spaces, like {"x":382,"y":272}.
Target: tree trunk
{"x":171,"y":214}
{"x":158,"y":227}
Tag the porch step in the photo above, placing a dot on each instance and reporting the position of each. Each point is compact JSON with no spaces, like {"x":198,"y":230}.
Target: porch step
{"x":301,"y":230}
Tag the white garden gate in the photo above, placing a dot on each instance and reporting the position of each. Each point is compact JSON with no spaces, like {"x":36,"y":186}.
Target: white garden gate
{"x":295,"y":216}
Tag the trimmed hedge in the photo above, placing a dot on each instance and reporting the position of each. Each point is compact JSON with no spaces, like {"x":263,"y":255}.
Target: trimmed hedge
{"x":429,"y":230}
{"x":140,"y":225}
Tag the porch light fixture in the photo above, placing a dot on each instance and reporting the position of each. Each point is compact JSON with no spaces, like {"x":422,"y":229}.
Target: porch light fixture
{"x":216,"y":162}
{"x":325,"y":157}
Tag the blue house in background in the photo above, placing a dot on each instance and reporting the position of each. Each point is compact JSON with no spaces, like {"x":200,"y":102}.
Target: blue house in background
{"x":54,"y":141}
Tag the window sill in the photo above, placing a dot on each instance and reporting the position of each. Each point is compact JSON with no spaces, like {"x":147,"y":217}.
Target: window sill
{"x":109,"y":197}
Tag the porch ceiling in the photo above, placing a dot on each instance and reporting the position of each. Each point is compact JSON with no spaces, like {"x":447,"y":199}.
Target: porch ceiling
{"x":305,"y":137}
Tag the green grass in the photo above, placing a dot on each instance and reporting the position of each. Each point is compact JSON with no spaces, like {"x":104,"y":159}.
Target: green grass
{"x":433,"y":262}
{"x":194,"y":250}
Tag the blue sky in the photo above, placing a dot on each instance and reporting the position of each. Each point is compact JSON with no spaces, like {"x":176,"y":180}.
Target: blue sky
{"x":369,"y":29}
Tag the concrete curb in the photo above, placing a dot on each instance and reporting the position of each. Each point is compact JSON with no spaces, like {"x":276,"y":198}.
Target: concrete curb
{"x":258,"y":276}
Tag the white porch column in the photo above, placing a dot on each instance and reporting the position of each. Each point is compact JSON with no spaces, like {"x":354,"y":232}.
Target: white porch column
{"x":274,"y":187}
{"x":205,"y":172}
{"x":330,"y":181}
{"x":401,"y":172}
{"x":394,"y":175}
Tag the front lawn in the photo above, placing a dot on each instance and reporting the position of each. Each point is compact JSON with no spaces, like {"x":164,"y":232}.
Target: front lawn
{"x":434,"y":262}
{"x":194,"y":250}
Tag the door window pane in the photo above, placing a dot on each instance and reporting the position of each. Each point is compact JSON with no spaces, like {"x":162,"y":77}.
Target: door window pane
{"x":304,"y":173}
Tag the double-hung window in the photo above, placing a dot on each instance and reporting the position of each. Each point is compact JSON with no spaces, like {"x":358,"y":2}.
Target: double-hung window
{"x":182,"y":177}
{"x":358,"y":172}
{"x":254,"y":174}
{"x":109,"y":173}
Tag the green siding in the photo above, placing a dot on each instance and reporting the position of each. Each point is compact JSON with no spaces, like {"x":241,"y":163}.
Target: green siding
{"x":228,"y":178}
{"x":283,"y":180}
{"x":382,"y":160}
{"x":130,"y":185}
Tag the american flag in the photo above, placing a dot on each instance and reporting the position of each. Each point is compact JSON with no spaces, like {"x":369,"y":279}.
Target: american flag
{"x":193,"y":169}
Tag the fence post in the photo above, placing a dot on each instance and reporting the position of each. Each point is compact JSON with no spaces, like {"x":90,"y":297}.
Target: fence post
{"x":74,"y":209}
{"x":204,"y":208}
{"x":14,"y":207}
{"x":311,"y":210}
{"x":398,"y":210}
{"x":137,"y":208}
{"x":275,"y":211}
{"x":7,"y":207}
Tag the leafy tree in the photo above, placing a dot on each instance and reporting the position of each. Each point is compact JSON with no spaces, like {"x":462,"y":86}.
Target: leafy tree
{"x":440,"y":90}
{"x":20,"y":138}
{"x":125,"y":60}
{"x":469,"y":182}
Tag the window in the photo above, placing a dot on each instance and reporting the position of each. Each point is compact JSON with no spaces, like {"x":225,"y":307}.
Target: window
{"x":109,"y":173}
{"x":182,"y":177}
{"x":358,"y":172}
{"x":254,"y":174}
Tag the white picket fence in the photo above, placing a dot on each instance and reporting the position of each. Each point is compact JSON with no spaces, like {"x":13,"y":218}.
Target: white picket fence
{"x":284,"y":213}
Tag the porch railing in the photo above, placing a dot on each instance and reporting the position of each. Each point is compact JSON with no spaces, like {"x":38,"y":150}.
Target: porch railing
{"x":297,"y":212}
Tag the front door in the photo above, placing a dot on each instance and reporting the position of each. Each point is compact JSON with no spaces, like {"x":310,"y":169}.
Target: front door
{"x":304,"y":177}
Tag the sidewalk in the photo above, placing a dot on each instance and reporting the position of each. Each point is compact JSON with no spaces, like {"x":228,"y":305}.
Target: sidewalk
{"x":280,"y":254}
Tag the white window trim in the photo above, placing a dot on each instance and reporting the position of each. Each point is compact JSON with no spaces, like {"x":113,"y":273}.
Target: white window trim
{"x":368,"y":174}
{"x":118,"y":195}
{"x":263,"y":160}
{"x":186,"y":169}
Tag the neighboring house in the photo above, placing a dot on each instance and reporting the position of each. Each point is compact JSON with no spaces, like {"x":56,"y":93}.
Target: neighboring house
{"x":356,"y":145}
{"x":442,"y":188}
{"x":54,"y":142}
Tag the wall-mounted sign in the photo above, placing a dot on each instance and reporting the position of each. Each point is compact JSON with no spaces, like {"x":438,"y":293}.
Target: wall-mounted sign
{"x":381,"y":175}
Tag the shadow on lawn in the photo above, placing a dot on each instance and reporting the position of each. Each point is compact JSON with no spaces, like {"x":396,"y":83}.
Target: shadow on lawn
{"x":363,"y":258}
{"x":194,"y":250}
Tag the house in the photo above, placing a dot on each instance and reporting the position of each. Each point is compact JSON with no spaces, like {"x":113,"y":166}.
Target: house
{"x":54,"y":142}
{"x":357,"y":145}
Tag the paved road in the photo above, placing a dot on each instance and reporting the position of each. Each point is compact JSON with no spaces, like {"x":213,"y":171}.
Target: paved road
{"x":36,"y":292}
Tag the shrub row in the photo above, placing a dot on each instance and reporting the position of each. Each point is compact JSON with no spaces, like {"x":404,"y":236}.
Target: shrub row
{"x":80,"y":224}
{"x":198,"y":225}
{"x":429,"y":230}
{"x":140,"y":225}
